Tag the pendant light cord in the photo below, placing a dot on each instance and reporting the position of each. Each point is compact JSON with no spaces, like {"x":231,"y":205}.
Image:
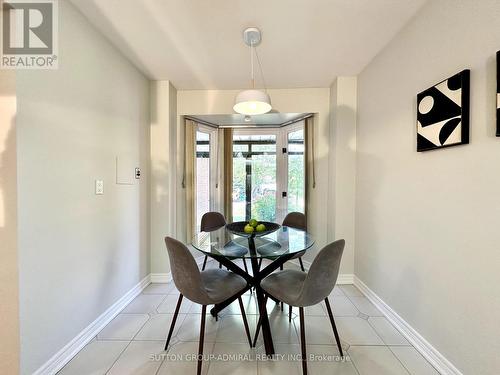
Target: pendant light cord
{"x":251,"y":63}
{"x":261,"y":71}
{"x":253,"y":50}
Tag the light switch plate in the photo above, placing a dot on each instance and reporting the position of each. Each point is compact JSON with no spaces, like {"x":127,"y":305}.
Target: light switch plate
{"x":99,"y":187}
{"x":125,"y":173}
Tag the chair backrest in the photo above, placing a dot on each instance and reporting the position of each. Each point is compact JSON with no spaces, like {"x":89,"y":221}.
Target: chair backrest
{"x":322,"y":274}
{"x":295,"y":220}
{"x":211,"y":221}
{"x":185,"y":272}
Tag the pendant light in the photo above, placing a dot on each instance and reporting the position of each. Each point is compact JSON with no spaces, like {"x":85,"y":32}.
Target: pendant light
{"x":253,"y":101}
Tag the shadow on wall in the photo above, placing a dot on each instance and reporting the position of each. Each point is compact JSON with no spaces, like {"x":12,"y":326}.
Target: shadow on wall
{"x":342,"y":159}
{"x":159,"y":181}
{"x":145,"y":191}
{"x":372,"y":248}
{"x":367,"y":239}
{"x":490,"y":87}
{"x":317,"y":205}
{"x":7,"y":175}
{"x":9,"y":307}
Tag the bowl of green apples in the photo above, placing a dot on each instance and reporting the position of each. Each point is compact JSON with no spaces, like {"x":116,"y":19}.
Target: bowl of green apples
{"x":252,"y":228}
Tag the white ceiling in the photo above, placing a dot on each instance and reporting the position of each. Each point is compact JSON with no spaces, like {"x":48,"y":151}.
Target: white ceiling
{"x":197,"y":44}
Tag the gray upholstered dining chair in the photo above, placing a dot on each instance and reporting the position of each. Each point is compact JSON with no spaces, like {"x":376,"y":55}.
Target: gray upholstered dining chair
{"x":296,"y":220}
{"x":207,"y":287}
{"x":211,"y":221}
{"x":301,"y":289}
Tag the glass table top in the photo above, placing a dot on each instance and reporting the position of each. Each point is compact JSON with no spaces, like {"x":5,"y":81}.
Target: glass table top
{"x":283,"y":241}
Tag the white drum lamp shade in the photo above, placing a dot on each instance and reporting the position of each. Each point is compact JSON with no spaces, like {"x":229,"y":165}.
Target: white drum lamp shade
{"x":252,"y":102}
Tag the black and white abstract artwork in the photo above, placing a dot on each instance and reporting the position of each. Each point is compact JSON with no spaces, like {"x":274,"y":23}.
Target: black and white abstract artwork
{"x":443,"y":113}
{"x":498,"y":94}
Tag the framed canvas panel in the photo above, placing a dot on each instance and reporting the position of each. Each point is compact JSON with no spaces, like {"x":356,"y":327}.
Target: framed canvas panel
{"x":443,"y":113}
{"x":498,"y":94}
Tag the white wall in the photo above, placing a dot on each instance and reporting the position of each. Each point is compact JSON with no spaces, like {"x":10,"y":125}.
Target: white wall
{"x":316,"y":100}
{"x":163,"y":172}
{"x":342,"y":178}
{"x":78,"y":252}
{"x":9,"y":277}
{"x":427,"y":223}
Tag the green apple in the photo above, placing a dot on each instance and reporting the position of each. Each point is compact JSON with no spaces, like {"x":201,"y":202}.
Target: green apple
{"x":261,"y":228}
{"x":253,"y":223}
{"x":248,"y":229}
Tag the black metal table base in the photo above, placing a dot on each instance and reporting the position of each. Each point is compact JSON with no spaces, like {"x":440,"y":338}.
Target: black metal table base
{"x":253,"y":282}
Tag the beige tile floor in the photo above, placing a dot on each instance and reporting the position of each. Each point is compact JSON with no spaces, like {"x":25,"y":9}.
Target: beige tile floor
{"x":132,"y":343}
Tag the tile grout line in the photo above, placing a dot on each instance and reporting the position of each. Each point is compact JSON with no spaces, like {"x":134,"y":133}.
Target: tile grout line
{"x":349,"y":299}
{"x":376,"y":333}
{"x":411,"y":346}
{"x":147,"y":320}
{"x":135,"y":335}
{"x":210,"y":362}
{"x":118,"y":357}
{"x":352,"y":361}
{"x":126,"y":346}
{"x":402,"y":364}
{"x":381,"y":338}
{"x":121,"y":353}
{"x":385,"y":344}
{"x":217,"y":333}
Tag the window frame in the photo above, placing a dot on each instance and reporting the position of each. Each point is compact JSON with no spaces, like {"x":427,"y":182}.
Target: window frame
{"x":281,"y":135}
{"x":214,"y":204}
{"x":300,"y":125}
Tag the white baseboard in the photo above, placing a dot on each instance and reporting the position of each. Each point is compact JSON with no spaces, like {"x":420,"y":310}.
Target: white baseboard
{"x":431,"y":354}
{"x":343,"y":278}
{"x":167,"y":277}
{"x":63,"y":356}
{"x":161,"y":277}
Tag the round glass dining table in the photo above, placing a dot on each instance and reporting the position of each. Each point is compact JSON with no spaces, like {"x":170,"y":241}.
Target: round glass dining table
{"x":279,"y":247}
{"x":223,"y":243}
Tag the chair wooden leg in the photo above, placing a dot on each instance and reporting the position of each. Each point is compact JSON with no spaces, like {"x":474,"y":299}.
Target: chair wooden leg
{"x":289,"y":313}
{"x":202,"y":338}
{"x":301,"y":265}
{"x":334,"y":327}
{"x":245,"y":322}
{"x":281,"y":304}
{"x":303,"y":340}
{"x":204,"y":263}
{"x":259,"y":323}
{"x":172,"y":325}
